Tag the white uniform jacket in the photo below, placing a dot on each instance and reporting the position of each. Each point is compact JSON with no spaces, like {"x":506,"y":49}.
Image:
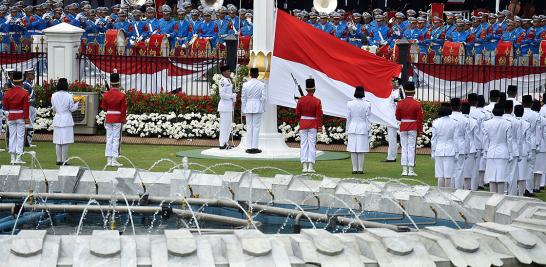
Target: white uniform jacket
{"x":253,"y":97}
{"x":227,"y":97}
{"x":444,"y":130}
{"x":533,"y":118}
{"x":63,"y":105}
{"x":463,"y":132}
{"x":358,"y":117}
{"x":497,"y":136}
{"x":516,"y":127}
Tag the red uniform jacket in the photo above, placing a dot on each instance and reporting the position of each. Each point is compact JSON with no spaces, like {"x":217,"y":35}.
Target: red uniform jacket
{"x":309,"y":112}
{"x":115,"y":105}
{"x":16,"y":102}
{"x":410,"y":115}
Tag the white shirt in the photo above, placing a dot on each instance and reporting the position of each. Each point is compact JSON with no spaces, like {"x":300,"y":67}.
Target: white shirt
{"x":543,"y":111}
{"x":463,"y":132}
{"x":497,"y":136}
{"x":63,"y":105}
{"x":473,"y":138}
{"x":524,"y":138}
{"x":480,"y":116}
{"x":533,"y":119}
{"x":358,"y":116}
{"x":541,"y":136}
{"x":253,"y":97}
{"x":489,"y":108}
{"x":443,"y":134}
{"x":516,"y":128}
{"x":227,"y":97}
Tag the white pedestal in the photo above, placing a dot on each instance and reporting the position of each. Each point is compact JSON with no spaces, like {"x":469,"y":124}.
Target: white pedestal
{"x":63,"y":43}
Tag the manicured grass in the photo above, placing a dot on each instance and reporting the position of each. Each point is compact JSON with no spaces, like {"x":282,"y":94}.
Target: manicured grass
{"x":144,"y":156}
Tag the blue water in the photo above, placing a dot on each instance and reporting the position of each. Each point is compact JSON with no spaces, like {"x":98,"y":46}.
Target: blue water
{"x":67,"y":223}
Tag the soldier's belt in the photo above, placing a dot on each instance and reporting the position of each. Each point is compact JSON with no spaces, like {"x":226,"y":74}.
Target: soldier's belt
{"x":308,"y":118}
{"x":113,"y":112}
{"x":16,"y":111}
{"x":406,"y":120}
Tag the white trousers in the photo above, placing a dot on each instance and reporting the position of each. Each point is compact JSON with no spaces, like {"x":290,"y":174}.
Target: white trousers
{"x":530,"y":184}
{"x":113,"y":134}
{"x":392,"y":133}
{"x":408,"y":140}
{"x":253,"y":123}
{"x":458,"y":180}
{"x":32,"y":116}
{"x":61,"y":152}
{"x":512,"y":170}
{"x":226,"y":119}
{"x":16,"y":136}
{"x":308,"y":141}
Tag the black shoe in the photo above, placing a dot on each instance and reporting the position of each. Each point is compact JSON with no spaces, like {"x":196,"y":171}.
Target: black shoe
{"x":59,"y":163}
{"x":528,"y":194}
{"x":360,"y":172}
{"x":249,"y":151}
{"x":481,"y":188}
{"x":389,"y":160}
{"x":542,"y":188}
{"x":257,"y":151}
{"x":355,"y":172}
{"x":224,"y":147}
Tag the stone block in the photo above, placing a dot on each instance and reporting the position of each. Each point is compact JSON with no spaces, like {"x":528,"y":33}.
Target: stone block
{"x":9,"y":178}
{"x":68,"y":177}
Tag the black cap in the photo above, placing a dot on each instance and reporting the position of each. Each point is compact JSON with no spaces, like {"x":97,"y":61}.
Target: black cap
{"x":512,"y":89}
{"x":359,"y":92}
{"x":445,"y":110}
{"x":310,"y":84}
{"x":62,"y":84}
{"x":498,"y":110}
{"x":508,"y":106}
{"x":17,"y":76}
{"x":455,"y":103}
{"x":473,"y":97}
{"x":254,"y":72}
{"x":494,"y":93}
{"x":114,"y":78}
{"x":518,"y":111}
{"x":465,"y":108}
{"x":224,"y":68}
{"x":409,"y":87}
{"x":527,"y":99}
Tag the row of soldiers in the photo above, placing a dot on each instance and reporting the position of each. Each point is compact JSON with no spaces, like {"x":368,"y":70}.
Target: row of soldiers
{"x":479,"y":36}
{"x":138,"y":23}
{"x":502,"y":144}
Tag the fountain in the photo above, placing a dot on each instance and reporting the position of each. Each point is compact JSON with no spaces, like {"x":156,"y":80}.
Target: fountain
{"x":240,"y":216}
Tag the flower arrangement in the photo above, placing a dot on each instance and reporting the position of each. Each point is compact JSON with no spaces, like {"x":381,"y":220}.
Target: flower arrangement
{"x":47,"y":88}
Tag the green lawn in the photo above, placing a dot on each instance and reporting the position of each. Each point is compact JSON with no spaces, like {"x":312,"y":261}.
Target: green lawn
{"x":143,"y":156}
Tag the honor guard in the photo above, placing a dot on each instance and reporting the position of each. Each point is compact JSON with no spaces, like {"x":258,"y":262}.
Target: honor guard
{"x":28,"y":85}
{"x":247,"y":29}
{"x":470,"y":175}
{"x":225,"y":107}
{"x":462,"y":136}
{"x":324,"y":25}
{"x":63,"y":124}
{"x":497,"y":137}
{"x":114,"y":103}
{"x":16,"y":103}
{"x":340,"y":29}
{"x":443,"y":150}
{"x":410,"y":115}
{"x":208,"y":28}
{"x":309,"y":113}
{"x":167,"y":25}
{"x":252,"y":106}
{"x":523,"y":142}
{"x":358,"y":129}
{"x":438,"y":36}
{"x":397,"y":94}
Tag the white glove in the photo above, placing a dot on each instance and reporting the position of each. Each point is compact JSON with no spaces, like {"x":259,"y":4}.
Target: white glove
{"x":519,"y":159}
{"x":78,"y":16}
{"x":510,"y":158}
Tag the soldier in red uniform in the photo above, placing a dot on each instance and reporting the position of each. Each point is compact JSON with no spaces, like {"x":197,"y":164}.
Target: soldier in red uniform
{"x":114,"y":103}
{"x":17,"y":103}
{"x":309,"y":112}
{"x":410,"y":115}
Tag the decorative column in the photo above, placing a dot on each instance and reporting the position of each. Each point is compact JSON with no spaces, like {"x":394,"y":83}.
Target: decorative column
{"x":63,"y":43}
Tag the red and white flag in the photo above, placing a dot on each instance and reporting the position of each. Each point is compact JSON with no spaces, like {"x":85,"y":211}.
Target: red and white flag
{"x":337,"y":67}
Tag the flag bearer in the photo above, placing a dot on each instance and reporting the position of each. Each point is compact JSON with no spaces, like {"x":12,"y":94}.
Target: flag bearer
{"x":533,"y":118}
{"x":443,"y":148}
{"x":392,"y":132}
{"x":309,"y":113}
{"x":114,"y":103}
{"x":461,"y":138}
{"x":524,"y":146}
{"x":63,"y":123}
{"x":358,"y":129}
{"x":410,"y":115}
{"x":470,"y":174}
{"x":16,"y":102}
{"x":497,"y":137}
{"x":252,"y":106}
{"x":225,"y":107}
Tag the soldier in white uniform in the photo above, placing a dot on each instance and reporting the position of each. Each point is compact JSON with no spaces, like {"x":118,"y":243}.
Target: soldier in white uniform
{"x":515,"y":126}
{"x":358,"y":129}
{"x":225,"y":107}
{"x":252,"y":106}
{"x":497,"y":137}
{"x":540,"y":166}
{"x":63,"y":124}
{"x":392,"y":132}
{"x":480,"y":116}
{"x":512,"y":93}
{"x":533,"y":118}
{"x":543,"y":108}
{"x":469,"y":173}
{"x":524,"y":147}
{"x":483,"y":159}
{"x":494,"y":97}
{"x":461,"y":136}
{"x":443,"y":148}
